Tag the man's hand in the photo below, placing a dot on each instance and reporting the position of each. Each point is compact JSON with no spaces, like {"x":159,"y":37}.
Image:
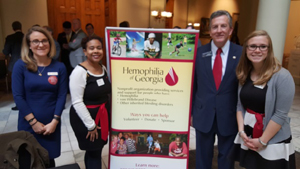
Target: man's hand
{"x":2,"y":56}
{"x":66,"y":46}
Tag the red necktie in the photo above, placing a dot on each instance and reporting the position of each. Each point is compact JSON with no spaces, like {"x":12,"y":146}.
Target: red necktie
{"x":217,"y":69}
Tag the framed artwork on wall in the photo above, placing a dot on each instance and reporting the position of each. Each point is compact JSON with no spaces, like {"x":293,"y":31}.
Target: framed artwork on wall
{"x":235,"y":18}
{"x":204,"y":28}
{"x":235,"y":25}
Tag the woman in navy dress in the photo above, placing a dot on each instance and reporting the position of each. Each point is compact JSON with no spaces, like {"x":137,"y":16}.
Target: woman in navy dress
{"x":89,"y":115}
{"x":39,"y":86}
{"x":266,"y":93}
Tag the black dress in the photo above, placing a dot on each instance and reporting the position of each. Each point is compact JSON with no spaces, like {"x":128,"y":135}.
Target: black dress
{"x":93,"y":95}
{"x":253,"y":99}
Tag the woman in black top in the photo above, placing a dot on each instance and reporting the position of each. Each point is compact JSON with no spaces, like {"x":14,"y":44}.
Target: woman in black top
{"x":89,"y":114}
{"x":266,"y":92}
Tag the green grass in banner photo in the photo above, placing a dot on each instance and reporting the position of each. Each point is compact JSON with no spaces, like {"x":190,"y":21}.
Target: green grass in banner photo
{"x":169,"y":42}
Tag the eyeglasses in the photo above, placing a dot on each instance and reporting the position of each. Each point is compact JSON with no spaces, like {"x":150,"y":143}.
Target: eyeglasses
{"x":261,"y":48}
{"x":37,"y":42}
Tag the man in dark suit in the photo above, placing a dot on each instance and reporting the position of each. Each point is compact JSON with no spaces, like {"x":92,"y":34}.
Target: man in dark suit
{"x":90,"y":29}
{"x":215,"y":93}
{"x":12,"y":47}
{"x":64,"y":38}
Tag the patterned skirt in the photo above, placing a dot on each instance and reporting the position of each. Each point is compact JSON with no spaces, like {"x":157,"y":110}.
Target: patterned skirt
{"x":280,"y":155}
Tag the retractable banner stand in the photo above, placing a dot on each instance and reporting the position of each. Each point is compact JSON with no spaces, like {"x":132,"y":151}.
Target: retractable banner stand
{"x":151,"y":72}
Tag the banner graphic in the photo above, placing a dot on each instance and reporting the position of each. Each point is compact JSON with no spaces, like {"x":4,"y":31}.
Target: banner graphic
{"x":151,"y":71}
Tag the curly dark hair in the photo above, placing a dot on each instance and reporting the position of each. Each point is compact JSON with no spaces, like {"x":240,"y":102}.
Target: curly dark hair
{"x":89,"y":38}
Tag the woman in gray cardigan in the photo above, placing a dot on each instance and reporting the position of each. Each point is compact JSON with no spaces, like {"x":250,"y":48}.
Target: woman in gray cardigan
{"x":266,"y":93}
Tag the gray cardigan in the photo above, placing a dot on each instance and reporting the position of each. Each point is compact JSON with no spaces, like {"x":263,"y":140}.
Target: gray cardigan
{"x":279,"y":99}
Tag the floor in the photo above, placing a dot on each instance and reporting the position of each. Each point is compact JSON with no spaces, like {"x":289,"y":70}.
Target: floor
{"x":70,"y":152}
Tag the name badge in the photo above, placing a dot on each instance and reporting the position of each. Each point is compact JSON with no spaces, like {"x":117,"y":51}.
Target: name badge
{"x":52,"y":73}
{"x":206,"y":54}
{"x":100,"y":82}
{"x":259,"y":86}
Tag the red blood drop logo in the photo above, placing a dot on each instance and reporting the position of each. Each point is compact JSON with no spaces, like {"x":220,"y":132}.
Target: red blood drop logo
{"x":171,"y":78}
{"x":52,"y":80}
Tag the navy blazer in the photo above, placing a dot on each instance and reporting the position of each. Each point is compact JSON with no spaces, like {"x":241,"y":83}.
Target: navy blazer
{"x":208,"y":102}
{"x":62,"y":39}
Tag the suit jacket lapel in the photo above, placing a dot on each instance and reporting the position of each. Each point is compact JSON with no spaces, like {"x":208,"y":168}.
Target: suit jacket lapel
{"x":207,"y":62}
{"x":65,"y":39}
{"x":74,"y":36}
{"x":231,"y":60}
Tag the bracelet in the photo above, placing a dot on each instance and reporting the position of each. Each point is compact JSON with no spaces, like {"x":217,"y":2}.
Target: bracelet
{"x":56,"y":118}
{"x":240,"y":132}
{"x":264,"y":144}
{"x":34,"y":123}
{"x":29,"y":121}
{"x":93,"y":128}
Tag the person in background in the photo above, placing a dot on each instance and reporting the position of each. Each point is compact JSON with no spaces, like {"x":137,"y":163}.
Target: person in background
{"x":234,"y":36}
{"x":215,"y":93}
{"x":266,"y":93}
{"x":57,"y":46}
{"x":12,"y":48}
{"x":90,"y":29}
{"x":76,"y":55}
{"x":124,"y":24}
{"x":40,"y":88}
{"x":90,"y":91}
{"x":64,"y":38}
{"x":191,"y":27}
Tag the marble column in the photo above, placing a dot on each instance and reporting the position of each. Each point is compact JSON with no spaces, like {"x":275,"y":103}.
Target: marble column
{"x":273,"y":17}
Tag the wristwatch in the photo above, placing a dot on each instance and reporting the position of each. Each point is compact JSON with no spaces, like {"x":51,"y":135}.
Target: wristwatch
{"x":56,"y":118}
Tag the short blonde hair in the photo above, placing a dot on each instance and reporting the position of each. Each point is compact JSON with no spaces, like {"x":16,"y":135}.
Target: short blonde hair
{"x":26,"y":53}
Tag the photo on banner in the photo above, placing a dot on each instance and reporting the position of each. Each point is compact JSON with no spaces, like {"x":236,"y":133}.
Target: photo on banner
{"x":118,"y":43}
{"x":178,"y":46}
{"x":135,"y":44}
{"x":152,"y":46}
{"x":149,"y":143}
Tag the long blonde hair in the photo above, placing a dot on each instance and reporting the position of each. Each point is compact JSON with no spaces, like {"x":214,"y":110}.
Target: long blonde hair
{"x":26,"y":53}
{"x":270,"y":66}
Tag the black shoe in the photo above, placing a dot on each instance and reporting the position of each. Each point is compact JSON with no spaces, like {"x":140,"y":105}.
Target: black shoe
{"x":14,"y":108}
